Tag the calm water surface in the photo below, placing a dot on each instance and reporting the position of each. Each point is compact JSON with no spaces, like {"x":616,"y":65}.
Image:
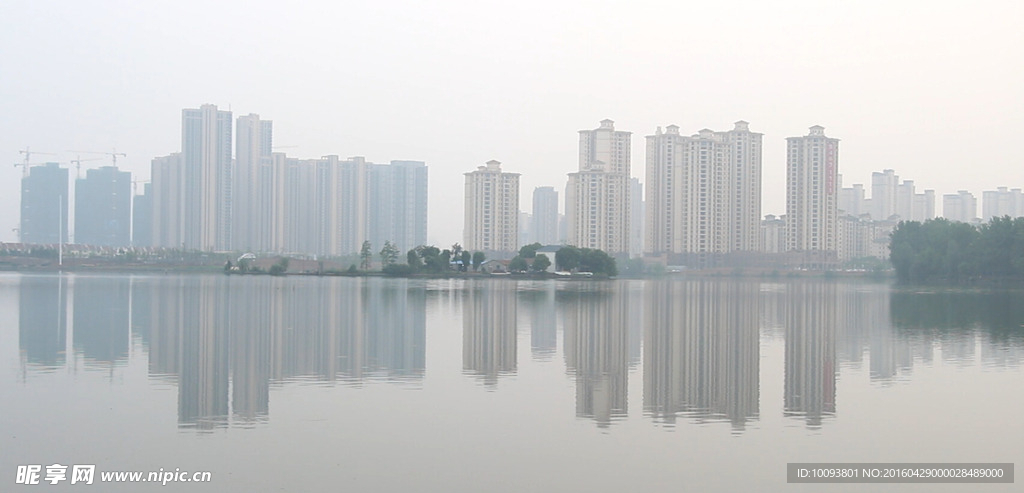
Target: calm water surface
{"x":345,"y":384}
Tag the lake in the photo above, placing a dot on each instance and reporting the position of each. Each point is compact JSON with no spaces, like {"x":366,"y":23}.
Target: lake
{"x":397,"y":385}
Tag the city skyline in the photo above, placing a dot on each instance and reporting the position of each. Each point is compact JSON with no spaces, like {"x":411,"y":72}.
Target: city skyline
{"x":420,"y":93}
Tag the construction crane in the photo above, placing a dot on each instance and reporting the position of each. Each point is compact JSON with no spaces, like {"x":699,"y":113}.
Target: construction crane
{"x":135,"y":186}
{"x":28,"y":158}
{"x":78,"y":164}
{"x":113,"y":155}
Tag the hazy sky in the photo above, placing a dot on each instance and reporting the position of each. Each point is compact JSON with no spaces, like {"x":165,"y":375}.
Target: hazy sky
{"x":931,"y":89}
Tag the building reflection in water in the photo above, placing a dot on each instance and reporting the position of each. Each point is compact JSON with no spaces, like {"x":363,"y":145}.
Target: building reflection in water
{"x":543,"y":312}
{"x":596,"y":344}
{"x":701,"y":351}
{"x":810,"y":375}
{"x":43,"y":321}
{"x":225,"y":341}
{"x":489,"y":330}
{"x":228,"y":339}
{"x":101,"y":319}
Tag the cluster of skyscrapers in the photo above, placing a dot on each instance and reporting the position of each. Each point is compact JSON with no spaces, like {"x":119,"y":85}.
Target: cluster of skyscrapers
{"x":702,"y":203}
{"x":227,"y":190}
{"x":703,"y":197}
{"x":265,"y":201}
{"x":102,"y":205}
{"x":206,"y":198}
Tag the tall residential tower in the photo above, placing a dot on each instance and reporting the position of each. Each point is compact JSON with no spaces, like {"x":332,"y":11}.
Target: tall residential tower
{"x":597,"y":196}
{"x":492,"y":210}
{"x":812,"y":166}
{"x":206,"y":151}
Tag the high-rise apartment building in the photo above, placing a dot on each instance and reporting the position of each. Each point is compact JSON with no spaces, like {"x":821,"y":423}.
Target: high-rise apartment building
{"x":398,"y":204}
{"x":167,"y":174}
{"x":208,"y":182}
{"x":544,"y":222}
{"x":492,"y":210}
{"x":597,"y":196}
{"x":253,"y":197}
{"x":812,"y":165}
{"x":142,"y":217}
{"x":103,"y":207}
{"x":961,"y":206}
{"x":890,"y":199}
{"x":883,"y":194}
{"x":703,"y":192}
{"x":264,"y":201}
{"x":636,"y":218}
{"x":1002,"y":202}
{"x":44,"y":205}
{"x":851,"y":200}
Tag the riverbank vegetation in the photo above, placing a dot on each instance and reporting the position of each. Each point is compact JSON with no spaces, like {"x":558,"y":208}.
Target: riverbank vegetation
{"x":939,"y":250}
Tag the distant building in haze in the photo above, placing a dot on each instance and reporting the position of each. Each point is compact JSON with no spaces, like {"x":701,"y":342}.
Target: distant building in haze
{"x":1002,"y":202}
{"x":398,"y":204}
{"x":142,"y":217}
{"x":636,"y":218}
{"x":544,"y":222}
{"x":961,"y":206}
{"x":44,"y":205}
{"x":492,"y":210}
{"x":168,"y":217}
{"x":103,"y":207}
{"x":812,"y":166}
{"x":207,"y":189}
{"x":597,"y":196}
{"x":703,"y":193}
{"x":253,"y":188}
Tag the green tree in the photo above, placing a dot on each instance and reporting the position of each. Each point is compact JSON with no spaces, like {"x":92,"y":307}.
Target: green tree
{"x":446,"y":260}
{"x":567,"y":258}
{"x":366,"y":254}
{"x":541,"y":263}
{"x":388,"y":254}
{"x":413,"y":260}
{"x":280,"y":267}
{"x":466,"y":260}
{"x":529,"y":251}
{"x":518,"y":264}
{"x":431,"y":257}
{"x":478,"y":260}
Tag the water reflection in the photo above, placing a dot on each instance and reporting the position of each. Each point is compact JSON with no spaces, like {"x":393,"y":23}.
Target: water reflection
{"x":959,"y":322}
{"x":810,"y":375}
{"x":224,"y":343}
{"x":597,"y":348}
{"x":232,"y":338}
{"x":489,"y":330}
{"x":42,"y":321}
{"x":701,"y":351}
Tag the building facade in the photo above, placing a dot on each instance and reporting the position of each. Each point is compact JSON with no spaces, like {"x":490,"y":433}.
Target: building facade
{"x":142,"y":217}
{"x":1002,"y":202}
{"x":206,"y":154}
{"x":545,"y":216}
{"x":253,"y":187}
{"x":44,"y":205}
{"x":398,"y":204}
{"x":103,"y":204}
{"x":703,"y":192}
{"x":492,"y":210}
{"x":167,"y":174}
{"x":812,"y":166}
{"x":961,"y":206}
{"x":598,"y":195}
